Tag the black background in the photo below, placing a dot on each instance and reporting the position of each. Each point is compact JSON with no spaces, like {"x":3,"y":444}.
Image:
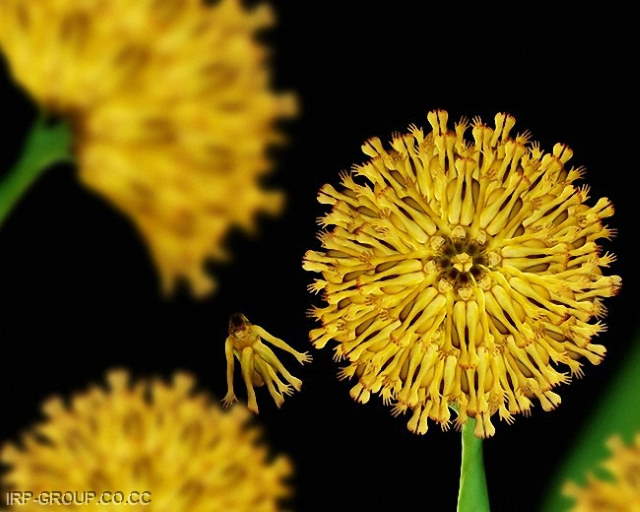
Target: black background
{"x":80,"y":296}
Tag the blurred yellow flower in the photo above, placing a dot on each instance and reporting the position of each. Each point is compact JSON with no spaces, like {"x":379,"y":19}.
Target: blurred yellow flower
{"x":461,"y":272}
{"x":148,"y":436}
{"x":171,"y":109}
{"x":247,"y":343}
{"x":621,"y":493}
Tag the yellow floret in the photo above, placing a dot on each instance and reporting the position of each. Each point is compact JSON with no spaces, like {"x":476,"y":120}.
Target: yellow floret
{"x":171,"y":109}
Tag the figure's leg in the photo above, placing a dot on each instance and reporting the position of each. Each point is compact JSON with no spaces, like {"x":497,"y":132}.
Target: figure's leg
{"x":283,"y":387}
{"x":267,"y":354}
{"x":258,"y":380}
{"x":268,"y":375}
{"x":247,"y":373}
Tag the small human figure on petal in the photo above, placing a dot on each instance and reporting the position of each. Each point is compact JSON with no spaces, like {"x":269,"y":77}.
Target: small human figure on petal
{"x":259,"y":364}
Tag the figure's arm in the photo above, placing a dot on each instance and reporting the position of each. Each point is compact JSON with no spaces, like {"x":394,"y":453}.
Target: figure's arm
{"x":302,"y":357}
{"x":230,"y":397}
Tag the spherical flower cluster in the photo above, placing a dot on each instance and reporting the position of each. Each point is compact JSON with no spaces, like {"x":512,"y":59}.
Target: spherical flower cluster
{"x":462,"y":272}
{"x":185,"y":453}
{"x":621,"y":492}
{"x":171,"y":109}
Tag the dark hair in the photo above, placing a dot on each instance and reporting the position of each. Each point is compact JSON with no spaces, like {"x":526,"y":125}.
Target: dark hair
{"x":237,"y":322}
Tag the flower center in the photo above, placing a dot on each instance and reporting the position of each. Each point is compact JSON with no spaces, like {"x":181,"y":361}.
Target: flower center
{"x":461,"y":261}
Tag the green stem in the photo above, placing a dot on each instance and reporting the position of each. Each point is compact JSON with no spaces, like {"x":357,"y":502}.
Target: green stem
{"x":46,"y":144}
{"x":472,"y":495}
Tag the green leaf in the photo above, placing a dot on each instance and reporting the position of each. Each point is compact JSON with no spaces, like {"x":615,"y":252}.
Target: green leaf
{"x":617,"y":414}
{"x":45,"y":145}
{"x":472,"y":494}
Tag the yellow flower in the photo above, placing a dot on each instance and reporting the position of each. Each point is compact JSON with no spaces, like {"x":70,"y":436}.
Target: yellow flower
{"x":619,"y":494}
{"x":148,"y":437}
{"x":461,"y":272}
{"x":171,"y":110}
{"x":260,"y":366}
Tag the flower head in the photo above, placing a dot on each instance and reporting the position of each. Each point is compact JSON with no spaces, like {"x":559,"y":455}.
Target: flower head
{"x":259,"y":364}
{"x":462,"y":272}
{"x":189,"y":454}
{"x":621,"y":493}
{"x":171,"y":110}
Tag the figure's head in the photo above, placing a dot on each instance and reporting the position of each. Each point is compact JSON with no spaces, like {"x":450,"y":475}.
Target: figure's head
{"x":238,"y":325}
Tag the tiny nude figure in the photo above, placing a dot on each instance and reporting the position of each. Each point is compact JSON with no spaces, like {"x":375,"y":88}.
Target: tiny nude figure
{"x":248,"y":343}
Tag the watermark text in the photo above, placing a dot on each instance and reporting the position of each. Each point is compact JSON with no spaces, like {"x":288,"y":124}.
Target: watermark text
{"x":58,"y":497}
